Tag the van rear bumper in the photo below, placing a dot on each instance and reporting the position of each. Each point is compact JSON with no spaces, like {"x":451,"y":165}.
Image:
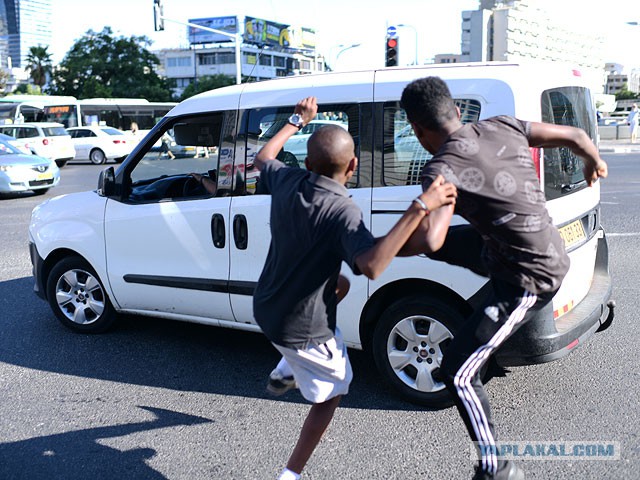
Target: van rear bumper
{"x":539,"y":340}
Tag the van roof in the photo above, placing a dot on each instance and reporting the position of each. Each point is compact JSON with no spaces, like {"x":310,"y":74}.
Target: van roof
{"x":284,"y":90}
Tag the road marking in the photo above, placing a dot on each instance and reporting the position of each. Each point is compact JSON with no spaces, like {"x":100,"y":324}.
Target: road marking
{"x":634,"y":234}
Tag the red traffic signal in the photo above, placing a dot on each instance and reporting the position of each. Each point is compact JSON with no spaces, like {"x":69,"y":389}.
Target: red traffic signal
{"x":391,"y":52}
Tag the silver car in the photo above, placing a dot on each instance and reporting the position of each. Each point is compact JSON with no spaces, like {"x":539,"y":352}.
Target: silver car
{"x":20,"y":172}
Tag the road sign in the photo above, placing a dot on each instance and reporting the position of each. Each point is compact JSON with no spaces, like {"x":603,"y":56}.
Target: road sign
{"x":391,"y":31}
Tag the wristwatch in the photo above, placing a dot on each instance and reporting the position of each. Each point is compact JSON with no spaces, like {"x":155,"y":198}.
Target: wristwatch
{"x":296,"y":120}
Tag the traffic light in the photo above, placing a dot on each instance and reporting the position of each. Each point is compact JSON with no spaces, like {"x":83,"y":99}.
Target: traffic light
{"x":391,"y":52}
{"x":158,"y":16}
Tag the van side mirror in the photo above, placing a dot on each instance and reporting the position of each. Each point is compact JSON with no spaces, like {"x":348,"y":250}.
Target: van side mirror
{"x":107,"y":182}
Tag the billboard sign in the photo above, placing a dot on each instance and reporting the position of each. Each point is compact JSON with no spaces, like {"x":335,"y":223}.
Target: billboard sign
{"x":226,"y":24}
{"x":264,"y":32}
{"x":303,"y":38}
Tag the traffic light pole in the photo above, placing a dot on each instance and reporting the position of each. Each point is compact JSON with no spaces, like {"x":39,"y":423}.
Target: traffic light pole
{"x":236,"y":36}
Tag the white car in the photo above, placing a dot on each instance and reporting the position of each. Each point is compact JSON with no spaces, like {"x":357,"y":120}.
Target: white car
{"x":22,"y":145}
{"x":100,"y":143}
{"x":297,"y":144}
{"x":45,"y":139}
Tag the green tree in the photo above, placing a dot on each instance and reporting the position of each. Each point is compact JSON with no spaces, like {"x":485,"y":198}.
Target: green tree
{"x":4,"y":79}
{"x":39,"y":65}
{"x":28,"y":89}
{"x":101,"y":65}
{"x":207,"y":82}
{"x":625,"y":93}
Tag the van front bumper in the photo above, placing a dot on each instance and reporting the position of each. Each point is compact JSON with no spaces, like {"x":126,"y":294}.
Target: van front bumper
{"x":539,"y":341}
{"x":36,"y":267}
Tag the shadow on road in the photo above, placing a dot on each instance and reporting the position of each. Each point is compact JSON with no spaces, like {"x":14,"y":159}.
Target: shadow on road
{"x":160,"y":353}
{"x":78,"y":454}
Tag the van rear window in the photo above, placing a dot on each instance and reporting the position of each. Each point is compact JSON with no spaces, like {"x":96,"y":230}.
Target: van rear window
{"x":570,"y":106}
{"x":403,"y":156}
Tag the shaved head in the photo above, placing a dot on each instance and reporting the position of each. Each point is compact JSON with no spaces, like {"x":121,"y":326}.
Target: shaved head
{"x":330,"y":149}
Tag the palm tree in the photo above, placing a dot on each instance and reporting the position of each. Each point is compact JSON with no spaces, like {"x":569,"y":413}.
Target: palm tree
{"x":39,"y":63}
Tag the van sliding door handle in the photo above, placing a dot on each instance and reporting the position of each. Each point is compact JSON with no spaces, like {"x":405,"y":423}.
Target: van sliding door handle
{"x":218,"y":232}
{"x":240,"y":232}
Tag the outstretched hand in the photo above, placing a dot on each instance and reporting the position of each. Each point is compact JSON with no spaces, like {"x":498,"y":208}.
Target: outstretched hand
{"x":594,"y":171}
{"x":439,"y":193}
{"x":307,"y":108}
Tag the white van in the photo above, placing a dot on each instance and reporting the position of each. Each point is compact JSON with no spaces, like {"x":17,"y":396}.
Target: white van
{"x":152,"y":241}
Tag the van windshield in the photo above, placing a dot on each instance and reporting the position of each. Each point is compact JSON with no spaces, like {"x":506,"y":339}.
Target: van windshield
{"x":570,"y":106}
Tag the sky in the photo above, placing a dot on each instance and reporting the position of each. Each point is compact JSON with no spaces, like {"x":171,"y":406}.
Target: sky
{"x":433,"y":26}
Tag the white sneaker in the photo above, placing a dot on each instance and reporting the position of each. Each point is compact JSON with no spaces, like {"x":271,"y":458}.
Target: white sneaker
{"x":279,"y":385}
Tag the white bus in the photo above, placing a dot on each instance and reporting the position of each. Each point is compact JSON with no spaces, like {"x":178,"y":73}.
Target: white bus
{"x":119,"y":113}
{"x":27,"y":108}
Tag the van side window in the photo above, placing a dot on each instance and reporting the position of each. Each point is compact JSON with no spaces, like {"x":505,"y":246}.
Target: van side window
{"x":562,"y":168}
{"x":260,"y":125}
{"x":185,"y":145}
{"x":403,"y":156}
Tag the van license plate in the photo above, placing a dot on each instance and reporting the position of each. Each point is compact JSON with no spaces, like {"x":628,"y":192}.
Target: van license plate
{"x":572,"y":233}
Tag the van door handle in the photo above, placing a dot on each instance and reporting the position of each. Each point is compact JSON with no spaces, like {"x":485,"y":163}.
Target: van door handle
{"x":240,"y":232}
{"x":218,"y":233}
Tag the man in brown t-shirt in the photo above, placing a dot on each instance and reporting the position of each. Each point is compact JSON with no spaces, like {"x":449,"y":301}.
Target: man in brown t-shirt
{"x":522,"y":252}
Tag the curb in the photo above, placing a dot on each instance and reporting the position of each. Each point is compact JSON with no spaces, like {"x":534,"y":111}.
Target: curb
{"x":619,"y":149}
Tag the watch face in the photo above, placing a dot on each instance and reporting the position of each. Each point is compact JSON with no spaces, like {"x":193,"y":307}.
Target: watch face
{"x":295,"y":119}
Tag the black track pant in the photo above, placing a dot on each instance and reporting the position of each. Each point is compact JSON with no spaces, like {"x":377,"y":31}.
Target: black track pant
{"x":508,"y":308}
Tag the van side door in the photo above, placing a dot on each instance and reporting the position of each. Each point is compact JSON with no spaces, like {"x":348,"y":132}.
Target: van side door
{"x":167,"y":237}
{"x":250,"y":213}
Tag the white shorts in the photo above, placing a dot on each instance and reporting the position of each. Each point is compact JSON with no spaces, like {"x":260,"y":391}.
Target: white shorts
{"x":321,"y":371}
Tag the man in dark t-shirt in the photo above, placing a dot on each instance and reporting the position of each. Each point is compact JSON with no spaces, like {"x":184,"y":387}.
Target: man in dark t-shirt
{"x":510,"y":234}
{"x":315,"y":226}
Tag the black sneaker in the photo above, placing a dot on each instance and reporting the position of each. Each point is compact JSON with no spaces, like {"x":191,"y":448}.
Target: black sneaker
{"x":279,"y":385}
{"x":510,"y":471}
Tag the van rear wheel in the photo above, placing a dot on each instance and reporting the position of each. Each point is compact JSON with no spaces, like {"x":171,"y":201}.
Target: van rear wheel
{"x":408,"y":344}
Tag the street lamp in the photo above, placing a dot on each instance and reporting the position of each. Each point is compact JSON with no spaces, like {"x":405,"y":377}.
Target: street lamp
{"x":415,"y":33}
{"x":344,"y":49}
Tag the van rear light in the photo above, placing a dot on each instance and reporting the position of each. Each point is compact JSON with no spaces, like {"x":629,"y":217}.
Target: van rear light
{"x":119,"y":141}
{"x":536,"y":155}
{"x":45,"y":141}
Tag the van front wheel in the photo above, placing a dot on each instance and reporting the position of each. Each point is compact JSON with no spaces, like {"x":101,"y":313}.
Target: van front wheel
{"x":408,"y":344}
{"x":78,"y":298}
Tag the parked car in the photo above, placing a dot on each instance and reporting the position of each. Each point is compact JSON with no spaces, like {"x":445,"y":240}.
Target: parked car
{"x":21,"y":172}
{"x":100,"y":143}
{"x":297,"y":144}
{"x":22,"y":145}
{"x":46,"y":139}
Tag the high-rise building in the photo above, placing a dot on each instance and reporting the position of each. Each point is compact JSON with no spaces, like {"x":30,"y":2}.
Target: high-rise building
{"x":23,"y":24}
{"x":515,"y":30}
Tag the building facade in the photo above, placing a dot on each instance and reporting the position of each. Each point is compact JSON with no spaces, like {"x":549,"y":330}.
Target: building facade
{"x":186,"y":65}
{"x":23,"y":24}
{"x":515,"y":30}
{"x":267,"y":50}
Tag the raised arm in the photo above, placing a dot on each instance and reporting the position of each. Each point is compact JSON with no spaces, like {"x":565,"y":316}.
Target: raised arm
{"x":307,"y":109}
{"x":549,"y":135}
{"x":375,"y":260}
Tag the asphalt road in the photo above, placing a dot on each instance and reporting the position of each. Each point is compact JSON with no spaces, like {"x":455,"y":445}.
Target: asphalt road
{"x":155,"y":399}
